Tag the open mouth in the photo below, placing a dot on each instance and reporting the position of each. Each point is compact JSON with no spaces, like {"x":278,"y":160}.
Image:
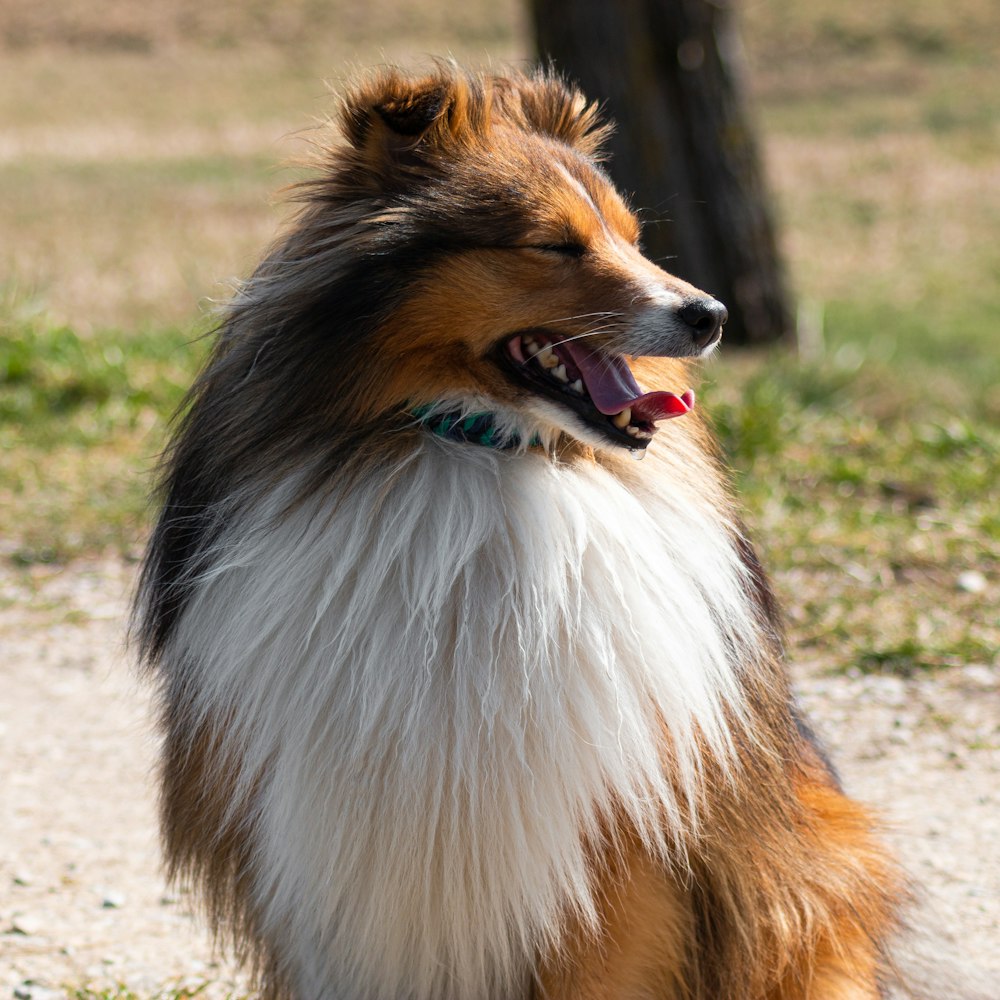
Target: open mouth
{"x":596,"y":385}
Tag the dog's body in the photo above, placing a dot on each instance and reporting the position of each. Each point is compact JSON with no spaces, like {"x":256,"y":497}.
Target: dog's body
{"x":492,"y":712}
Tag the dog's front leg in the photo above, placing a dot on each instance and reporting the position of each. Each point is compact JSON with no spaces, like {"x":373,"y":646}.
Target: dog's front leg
{"x":797,"y":911}
{"x":640,"y":953}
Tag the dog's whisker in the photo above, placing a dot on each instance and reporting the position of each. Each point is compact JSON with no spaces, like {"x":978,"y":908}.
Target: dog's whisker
{"x":587,"y":315}
{"x":582,"y":336}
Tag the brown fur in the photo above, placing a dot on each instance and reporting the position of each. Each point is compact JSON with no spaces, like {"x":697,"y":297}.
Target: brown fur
{"x":786,"y":893}
{"x":206,"y":837}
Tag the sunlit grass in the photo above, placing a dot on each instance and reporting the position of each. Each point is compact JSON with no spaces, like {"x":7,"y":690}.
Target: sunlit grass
{"x":871,"y":488}
{"x":122,"y":992}
{"x":81,"y":423}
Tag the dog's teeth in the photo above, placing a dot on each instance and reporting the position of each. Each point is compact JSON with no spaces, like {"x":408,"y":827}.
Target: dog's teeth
{"x":529,"y":345}
{"x":623,"y":419}
{"x":577,"y":387}
{"x":559,"y":372}
{"x":632,"y":431}
{"x":640,"y":433}
{"x":546,"y":358}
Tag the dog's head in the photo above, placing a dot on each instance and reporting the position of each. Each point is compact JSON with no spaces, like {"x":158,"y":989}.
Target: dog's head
{"x":462,"y":242}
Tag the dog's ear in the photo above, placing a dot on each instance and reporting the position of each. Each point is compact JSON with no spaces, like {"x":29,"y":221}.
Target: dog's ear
{"x":394,"y":122}
{"x":556,"y":108}
{"x":413,"y":113}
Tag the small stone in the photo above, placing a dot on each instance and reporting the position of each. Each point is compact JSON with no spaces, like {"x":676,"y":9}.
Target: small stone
{"x":113,"y":901}
{"x":890,"y":691}
{"x":971,"y":581}
{"x":980,"y":675}
{"x":30,"y":991}
{"x":26,"y":924}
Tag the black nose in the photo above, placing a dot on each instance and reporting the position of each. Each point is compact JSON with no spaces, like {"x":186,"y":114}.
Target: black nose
{"x":704,"y":319}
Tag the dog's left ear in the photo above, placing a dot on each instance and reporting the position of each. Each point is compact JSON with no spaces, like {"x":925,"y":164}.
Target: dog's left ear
{"x":394,"y":122}
{"x":411,"y":114}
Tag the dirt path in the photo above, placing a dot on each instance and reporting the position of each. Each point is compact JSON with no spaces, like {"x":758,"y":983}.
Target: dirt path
{"x":82,"y":901}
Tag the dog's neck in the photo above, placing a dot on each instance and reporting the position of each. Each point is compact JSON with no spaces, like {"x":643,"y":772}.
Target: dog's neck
{"x":469,"y":428}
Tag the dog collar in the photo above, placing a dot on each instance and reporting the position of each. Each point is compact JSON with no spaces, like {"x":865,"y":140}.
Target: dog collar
{"x":469,"y":428}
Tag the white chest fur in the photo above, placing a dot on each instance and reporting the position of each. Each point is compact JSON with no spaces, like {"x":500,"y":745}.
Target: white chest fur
{"x":444,"y":677}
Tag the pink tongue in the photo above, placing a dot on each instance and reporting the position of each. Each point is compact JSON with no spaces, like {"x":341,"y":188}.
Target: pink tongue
{"x":612,"y":386}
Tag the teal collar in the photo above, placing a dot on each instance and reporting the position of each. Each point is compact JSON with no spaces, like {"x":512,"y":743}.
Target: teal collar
{"x":469,"y":428}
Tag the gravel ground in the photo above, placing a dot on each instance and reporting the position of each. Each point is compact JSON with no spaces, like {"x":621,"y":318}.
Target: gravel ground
{"x":82,"y":899}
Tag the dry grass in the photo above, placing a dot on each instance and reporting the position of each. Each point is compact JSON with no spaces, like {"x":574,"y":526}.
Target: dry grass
{"x":143,"y":143}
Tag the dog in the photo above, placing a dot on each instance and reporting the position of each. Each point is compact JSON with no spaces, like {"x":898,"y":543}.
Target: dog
{"x":459,"y":700}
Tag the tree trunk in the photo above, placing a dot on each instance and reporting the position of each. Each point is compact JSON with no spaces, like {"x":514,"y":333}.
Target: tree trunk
{"x":669,"y":73}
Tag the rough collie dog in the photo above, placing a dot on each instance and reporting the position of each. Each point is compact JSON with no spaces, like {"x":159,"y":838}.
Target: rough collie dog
{"x":460,"y":701}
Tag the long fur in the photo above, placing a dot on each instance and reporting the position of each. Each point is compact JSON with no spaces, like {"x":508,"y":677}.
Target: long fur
{"x":449,"y":723}
{"x":455,"y":674}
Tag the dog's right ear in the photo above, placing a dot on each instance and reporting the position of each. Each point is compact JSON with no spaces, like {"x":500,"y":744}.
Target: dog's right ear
{"x":393,"y":122}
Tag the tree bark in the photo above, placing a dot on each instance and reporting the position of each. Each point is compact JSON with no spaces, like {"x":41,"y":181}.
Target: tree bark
{"x":670,"y":74}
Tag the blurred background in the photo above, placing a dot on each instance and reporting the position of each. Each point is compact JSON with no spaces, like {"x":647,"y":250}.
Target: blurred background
{"x":141,"y":152}
{"x":141,"y":149}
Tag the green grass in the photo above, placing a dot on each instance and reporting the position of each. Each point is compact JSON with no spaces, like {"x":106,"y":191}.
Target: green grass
{"x":81,"y":422}
{"x":124,"y":993}
{"x":871,"y":478}
{"x":870,"y":473}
